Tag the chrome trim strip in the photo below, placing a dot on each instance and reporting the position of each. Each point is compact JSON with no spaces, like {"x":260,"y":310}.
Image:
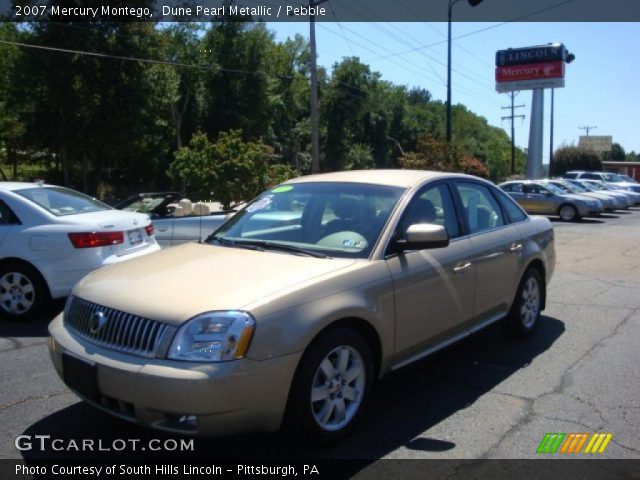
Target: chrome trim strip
{"x":434,"y":348}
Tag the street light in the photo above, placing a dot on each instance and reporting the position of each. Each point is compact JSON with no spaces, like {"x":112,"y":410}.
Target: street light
{"x":473,"y":3}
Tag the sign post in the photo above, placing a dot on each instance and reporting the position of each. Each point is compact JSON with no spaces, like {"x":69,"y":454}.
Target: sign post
{"x":532,"y":68}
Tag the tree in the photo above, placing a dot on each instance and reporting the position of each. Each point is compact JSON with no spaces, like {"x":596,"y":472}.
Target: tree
{"x":229,"y":170}
{"x":617,"y":153}
{"x":574,"y":158}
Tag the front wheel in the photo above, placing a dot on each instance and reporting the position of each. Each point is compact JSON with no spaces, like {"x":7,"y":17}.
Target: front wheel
{"x":525,"y":311}
{"x":330,"y":387}
{"x":568,"y":213}
{"x":23,"y":292}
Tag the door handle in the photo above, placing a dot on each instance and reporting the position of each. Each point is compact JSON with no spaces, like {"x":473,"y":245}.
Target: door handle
{"x":162,"y":229}
{"x":515,"y":247}
{"x":461,"y":267}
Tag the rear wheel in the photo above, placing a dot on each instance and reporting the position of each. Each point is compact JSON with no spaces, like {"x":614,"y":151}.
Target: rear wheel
{"x":23,"y":292}
{"x":330,"y":387}
{"x":568,"y":213}
{"x":525,"y":311}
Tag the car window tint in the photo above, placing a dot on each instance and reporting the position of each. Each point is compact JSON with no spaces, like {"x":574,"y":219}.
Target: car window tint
{"x":514,"y":212}
{"x":432,"y":205}
{"x":481,"y":208}
{"x":513,"y":187}
{"x":591,"y":176}
{"x":6,"y":217}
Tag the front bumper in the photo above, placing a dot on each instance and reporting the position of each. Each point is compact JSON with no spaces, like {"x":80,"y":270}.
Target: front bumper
{"x":182,"y":397}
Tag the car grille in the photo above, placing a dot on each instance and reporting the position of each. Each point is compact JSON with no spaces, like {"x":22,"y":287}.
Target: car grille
{"x":121,"y":331}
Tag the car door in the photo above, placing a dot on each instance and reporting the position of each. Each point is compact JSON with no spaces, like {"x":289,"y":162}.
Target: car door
{"x":537,"y":200}
{"x":497,"y":249}
{"x":163,"y":228}
{"x":433,"y":288}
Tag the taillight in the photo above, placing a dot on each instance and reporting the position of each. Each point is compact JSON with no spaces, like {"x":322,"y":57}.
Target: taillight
{"x":96,"y":239}
{"x":149,"y":229}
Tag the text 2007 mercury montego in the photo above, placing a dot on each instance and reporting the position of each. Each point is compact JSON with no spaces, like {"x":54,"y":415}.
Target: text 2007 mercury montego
{"x":290,"y":311}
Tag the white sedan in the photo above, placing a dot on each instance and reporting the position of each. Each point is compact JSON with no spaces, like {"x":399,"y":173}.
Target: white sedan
{"x":51,"y":237}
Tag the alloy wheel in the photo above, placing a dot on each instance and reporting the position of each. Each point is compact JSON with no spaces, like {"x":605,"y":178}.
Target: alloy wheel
{"x":17,"y":293}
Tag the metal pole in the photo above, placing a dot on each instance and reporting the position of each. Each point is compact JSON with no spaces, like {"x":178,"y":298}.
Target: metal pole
{"x":451,"y":2}
{"x":534,"y":153}
{"x":551,"y":135}
{"x":513,"y":136}
{"x":315,"y":144}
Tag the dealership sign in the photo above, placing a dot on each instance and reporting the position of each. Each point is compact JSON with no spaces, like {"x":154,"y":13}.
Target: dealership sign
{"x":530,"y":68}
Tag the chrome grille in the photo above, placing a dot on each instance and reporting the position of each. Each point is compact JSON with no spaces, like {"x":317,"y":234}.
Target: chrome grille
{"x":122,"y":331}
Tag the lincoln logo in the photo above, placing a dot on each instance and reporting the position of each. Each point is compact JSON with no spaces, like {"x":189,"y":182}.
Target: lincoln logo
{"x":97,"y":323}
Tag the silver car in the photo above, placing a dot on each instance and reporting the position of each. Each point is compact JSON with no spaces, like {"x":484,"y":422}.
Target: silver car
{"x":609,"y":203}
{"x":289,"y":322}
{"x":542,"y":198}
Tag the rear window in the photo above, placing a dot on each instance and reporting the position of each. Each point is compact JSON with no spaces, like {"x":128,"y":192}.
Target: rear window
{"x":61,"y":201}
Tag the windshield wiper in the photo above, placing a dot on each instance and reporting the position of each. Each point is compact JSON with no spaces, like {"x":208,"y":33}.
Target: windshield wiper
{"x":282,"y":247}
{"x":231,"y":243}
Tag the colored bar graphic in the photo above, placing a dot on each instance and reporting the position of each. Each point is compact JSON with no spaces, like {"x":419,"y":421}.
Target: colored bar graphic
{"x":550,"y":443}
{"x":572,"y":443}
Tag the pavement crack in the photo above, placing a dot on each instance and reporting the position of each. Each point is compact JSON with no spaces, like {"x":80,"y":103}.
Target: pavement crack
{"x":30,"y":399}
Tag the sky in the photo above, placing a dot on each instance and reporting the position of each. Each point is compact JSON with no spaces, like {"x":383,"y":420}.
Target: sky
{"x":601,"y":84}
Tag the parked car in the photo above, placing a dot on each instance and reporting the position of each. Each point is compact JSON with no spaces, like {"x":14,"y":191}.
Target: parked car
{"x":50,"y":237}
{"x":176,"y":220}
{"x":609,"y":203}
{"x":623,"y":200}
{"x":610,"y":188}
{"x":290,"y":323}
{"x":613,"y":179}
{"x":542,"y":198}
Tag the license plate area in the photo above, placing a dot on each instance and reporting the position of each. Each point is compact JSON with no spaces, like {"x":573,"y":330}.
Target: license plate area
{"x":80,"y":376}
{"x":135,"y":236}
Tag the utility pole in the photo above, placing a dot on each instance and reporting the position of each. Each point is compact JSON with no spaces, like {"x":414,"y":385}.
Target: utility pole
{"x":512,"y":117}
{"x":553,"y":90}
{"x":587,"y":129}
{"x":315,"y":139}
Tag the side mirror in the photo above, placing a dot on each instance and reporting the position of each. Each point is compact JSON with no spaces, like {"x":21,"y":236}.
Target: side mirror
{"x":424,"y":235}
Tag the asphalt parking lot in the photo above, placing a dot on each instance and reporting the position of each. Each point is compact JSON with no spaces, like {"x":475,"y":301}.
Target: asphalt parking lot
{"x":488,"y":397}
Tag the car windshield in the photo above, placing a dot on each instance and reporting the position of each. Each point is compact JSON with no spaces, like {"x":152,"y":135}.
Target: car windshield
{"x":574,"y":187}
{"x":610,"y":177}
{"x":554,"y":189}
{"x":144,"y":205}
{"x":335,"y":219}
{"x":626,"y":178}
{"x":61,"y":201}
{"x":563,"y":187}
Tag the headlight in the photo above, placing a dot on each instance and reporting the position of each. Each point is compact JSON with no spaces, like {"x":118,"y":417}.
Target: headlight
{"x":213,"y":337}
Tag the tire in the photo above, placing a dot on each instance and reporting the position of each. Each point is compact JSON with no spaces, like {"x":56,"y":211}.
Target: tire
{"x":527,"y":305}
{"x":568,"y":213}
{"x":23,"y":292}
{"x":330,"y":387}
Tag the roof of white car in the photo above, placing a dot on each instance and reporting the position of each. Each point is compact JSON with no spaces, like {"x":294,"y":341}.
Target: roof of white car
{"x":396,"y":178}
{"x":11,"y":186}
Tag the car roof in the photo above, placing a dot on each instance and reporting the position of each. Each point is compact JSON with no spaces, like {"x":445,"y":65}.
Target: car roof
{"x":390,"y":177}
{"x":12,"y":186}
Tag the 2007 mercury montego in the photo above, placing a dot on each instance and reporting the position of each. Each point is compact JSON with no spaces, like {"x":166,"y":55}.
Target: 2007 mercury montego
{"x":288,"y":322}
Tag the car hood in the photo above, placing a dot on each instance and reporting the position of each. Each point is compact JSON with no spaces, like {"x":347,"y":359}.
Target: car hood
{"x":175,"y":284}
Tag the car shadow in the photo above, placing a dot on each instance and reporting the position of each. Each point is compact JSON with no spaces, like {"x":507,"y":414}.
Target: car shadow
{"x":36,"y":327}
{"x":402,"y":406}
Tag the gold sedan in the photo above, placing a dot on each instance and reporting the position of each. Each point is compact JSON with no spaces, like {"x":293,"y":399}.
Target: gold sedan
{"x":287,"y":314}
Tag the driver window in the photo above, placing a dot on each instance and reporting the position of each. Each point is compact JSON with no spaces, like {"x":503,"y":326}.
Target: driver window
{"x":432,"y":205}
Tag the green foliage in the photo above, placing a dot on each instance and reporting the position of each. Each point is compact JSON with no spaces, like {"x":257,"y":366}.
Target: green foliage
{"x":229,"y":170}
{"x":574,"y":158}
{"x":617,"y":153}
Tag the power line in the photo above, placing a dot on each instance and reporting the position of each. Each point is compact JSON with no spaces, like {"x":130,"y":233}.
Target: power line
{"x":521,"y":17}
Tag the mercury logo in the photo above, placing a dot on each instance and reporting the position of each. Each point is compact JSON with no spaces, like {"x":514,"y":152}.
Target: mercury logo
{"x":97,"y":322}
